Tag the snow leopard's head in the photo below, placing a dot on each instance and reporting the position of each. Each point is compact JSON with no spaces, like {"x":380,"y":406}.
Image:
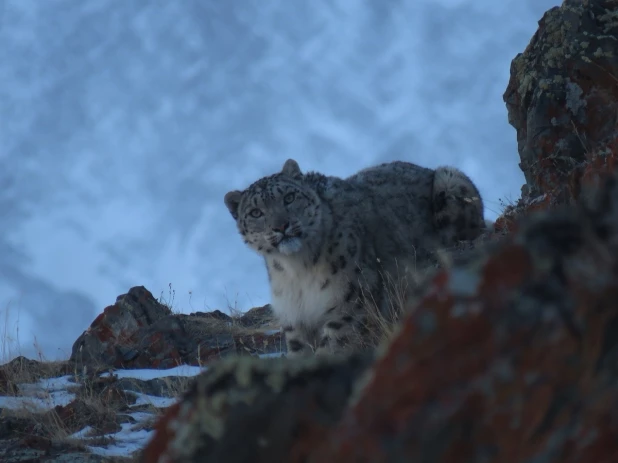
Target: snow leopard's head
{"x":279,"y":213}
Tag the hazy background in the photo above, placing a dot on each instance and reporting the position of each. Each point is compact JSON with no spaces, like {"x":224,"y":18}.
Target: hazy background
{"x":124,"y":122}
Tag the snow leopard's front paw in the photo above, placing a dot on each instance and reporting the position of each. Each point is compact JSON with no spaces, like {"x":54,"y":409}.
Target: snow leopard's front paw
{"x":337,"y":337}
{"x":297,"y":346}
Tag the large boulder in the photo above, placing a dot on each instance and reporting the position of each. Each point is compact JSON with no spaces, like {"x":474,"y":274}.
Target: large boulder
{"x":105,"y":340}
{"x":562,"y":98}
{"x":246,"y":409}
{"x":140,"y":332}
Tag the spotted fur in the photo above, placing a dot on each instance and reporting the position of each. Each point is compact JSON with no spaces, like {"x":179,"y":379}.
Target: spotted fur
{"x":327,"y":241}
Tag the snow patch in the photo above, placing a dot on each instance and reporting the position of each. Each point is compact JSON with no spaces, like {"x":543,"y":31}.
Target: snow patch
{"x":44,"y":400}
{"x":148,"y":374}
{"x":155,"y":401}
{"x":126,"y":442}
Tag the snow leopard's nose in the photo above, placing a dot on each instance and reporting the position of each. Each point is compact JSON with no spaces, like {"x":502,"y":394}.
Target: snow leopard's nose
{"x":282,"y":227}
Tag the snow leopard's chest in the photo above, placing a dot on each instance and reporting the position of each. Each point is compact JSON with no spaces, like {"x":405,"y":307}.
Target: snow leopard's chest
{"x":303,"y":295}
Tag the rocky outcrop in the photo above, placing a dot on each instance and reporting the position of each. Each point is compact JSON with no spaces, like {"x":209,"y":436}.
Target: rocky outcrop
{"x":72,"y":410}
{"x":509,"y":357}
{"x":101,"y":414}
{"x":272,"y":403}
{"x":139,"y":332}
{"x":562,"y":98}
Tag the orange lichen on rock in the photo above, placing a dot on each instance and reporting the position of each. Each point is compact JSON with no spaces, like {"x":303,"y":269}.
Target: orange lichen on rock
{"x":511,"y":360}
{"x":164,"y":430}
{"x":562,"y":98}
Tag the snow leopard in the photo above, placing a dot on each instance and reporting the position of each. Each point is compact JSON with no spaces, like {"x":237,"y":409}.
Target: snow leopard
{"x":330,"y":242}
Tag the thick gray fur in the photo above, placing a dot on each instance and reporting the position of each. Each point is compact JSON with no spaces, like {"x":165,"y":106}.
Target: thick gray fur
{"x":330,"y":243}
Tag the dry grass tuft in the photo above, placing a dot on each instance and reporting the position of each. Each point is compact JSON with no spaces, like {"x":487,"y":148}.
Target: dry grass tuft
{"x":406,"y":287}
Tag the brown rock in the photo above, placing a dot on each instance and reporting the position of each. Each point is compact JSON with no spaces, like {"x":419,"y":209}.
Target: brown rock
{"x":80,"y":413}
{"x":257,"y":317}
{"x":105,"y":342}
{"x":139,"y":332}
{"x":562,"y":98}
{"x":247,"y":409}
{"x":514,"y":359}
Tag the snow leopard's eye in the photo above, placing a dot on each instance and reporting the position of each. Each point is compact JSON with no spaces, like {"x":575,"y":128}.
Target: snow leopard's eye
{"x":256,"y":213}
{"x":289,"y":198}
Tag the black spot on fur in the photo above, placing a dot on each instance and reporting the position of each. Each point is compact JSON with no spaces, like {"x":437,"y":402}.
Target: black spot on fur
{"x":444,"y":222}
{"x":331,"y":309}
{"x":460,"y":222}
{"x":334,"y":325}
{"x":294,"y":345}
{"x":350,"y":293}
{"x":325,"y":284}
{"x":352,"y":249}
{"x":333,"y":269}
{"x":347,"y":319}
{"x":324,"y":341}
{"x":288,"y":329}
{"x":439,"y":201}
{"x":277,"y":266}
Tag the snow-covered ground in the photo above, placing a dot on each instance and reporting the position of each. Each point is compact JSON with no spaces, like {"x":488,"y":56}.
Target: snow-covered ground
{"x":40,"y":396}
{"x":125,"y":123}
{"x":146,"y":374}
{"x":48,"y":393}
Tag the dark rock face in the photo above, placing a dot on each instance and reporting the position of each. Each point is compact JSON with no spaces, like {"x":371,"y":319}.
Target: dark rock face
{"x":272,"y":403}
{"x":139,"y":332}
{"x":562,"y":98}
{"x":107,"y":339}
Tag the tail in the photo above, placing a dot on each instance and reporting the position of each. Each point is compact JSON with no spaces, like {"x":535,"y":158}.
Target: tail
{"x":457,"y":206}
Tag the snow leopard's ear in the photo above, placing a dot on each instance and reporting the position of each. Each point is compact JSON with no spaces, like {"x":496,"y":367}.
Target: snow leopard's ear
{"x":232,"y":200}
{"x":291,"y":169}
